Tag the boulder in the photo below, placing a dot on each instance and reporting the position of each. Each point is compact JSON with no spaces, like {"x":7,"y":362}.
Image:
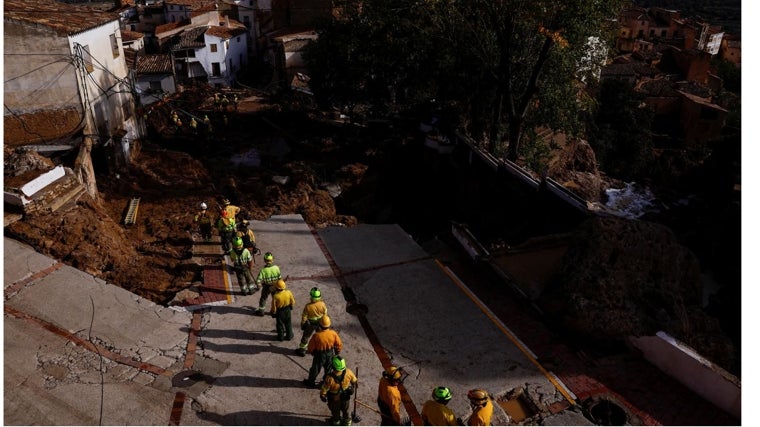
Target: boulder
{"x":621,"y":278}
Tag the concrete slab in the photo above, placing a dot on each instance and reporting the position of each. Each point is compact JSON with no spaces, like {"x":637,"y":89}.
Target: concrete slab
{"x":21,"y":261}
{"x":424,"y":320}
{"x":421,"y":317}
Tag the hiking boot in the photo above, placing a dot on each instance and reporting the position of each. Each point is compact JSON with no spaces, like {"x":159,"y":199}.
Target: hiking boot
{"x":301,"y":352}
{"x":309,"y":383}
{"x":333,"y":421}
{"x":259,"y":312}
{"x":347,"y":422}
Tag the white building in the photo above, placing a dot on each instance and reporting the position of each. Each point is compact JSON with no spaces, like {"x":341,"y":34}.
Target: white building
{"x":66,"y":75}
{"x":225,"y":54}
{"x":206,"y":48}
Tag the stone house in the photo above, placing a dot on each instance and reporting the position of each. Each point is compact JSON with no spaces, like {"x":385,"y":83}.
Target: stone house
{"x":66,"y":76}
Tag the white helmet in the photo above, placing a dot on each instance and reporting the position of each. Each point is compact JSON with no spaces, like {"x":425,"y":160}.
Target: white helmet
{"x":204,"y":206}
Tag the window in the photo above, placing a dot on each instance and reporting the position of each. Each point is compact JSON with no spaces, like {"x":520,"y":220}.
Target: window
{"x":155,"y":87}
{"x":227,"y":44}
{"x":651,"y":33}
{"x":664,"y":33}
{"x":216,"y":70}
{"x":212,"y":46}
{"x":114,"y":46}
{"x":237,"y":39}
{"x":87,"y":59}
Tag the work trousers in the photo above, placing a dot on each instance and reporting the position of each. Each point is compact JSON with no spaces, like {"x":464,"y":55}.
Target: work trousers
{"x":308,"y":332}
{"x":322,"y":359}
{"x":226,"y":237}
{"x":385,"y":414}
{"x":244,"y":276}
{"x":283,"y":323}
{"x":266,"y":290}
{"x":338,"y":408}
{"x":205,"y":229}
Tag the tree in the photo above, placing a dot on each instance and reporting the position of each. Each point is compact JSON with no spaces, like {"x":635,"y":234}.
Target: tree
{"x":621,"y":132}
{"x":506,"y":64}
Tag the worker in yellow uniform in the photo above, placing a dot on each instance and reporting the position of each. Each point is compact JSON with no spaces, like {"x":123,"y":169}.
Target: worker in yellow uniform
{"x":226,"y":227}
{"x":268,"y":275}
{"x":389,"y":397}
{"x":337,"y":389}
{"x":232,"y":210}
{"x":203,"y":219}
{"x":245,"y":233}
{"x":282,"y":306}
{"x":242,"y":262}
{"x":323,"y":346}
{"x":312,"y":313}
{"x":482,"y":408}
{"x":435,"y":412}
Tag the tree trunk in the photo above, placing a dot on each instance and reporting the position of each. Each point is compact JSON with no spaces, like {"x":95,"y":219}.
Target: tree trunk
{"x":84,"y":169}
{"x":515,"y":133}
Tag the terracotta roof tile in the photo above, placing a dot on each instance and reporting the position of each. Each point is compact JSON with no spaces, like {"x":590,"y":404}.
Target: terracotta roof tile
{"x":190,"y":38}
{"x":62,"y":17}
{"x":154,"y":64}
{"x":225,"y":32}
{"x":129,"y":36}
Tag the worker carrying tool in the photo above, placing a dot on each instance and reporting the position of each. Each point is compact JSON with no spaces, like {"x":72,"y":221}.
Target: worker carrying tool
{"x":268,"y":275}
{"x":249,"y":239}
{"x":310,"y":317}
{"x":389,"y":396}
{"x":282,"y":306}
{"x":435,"y":412}
{"x":337,"y":389}
{"x":242,"y":262}
{"x":203,"y":219}
{"x":323,"y":346}
{"x":482,"y":408}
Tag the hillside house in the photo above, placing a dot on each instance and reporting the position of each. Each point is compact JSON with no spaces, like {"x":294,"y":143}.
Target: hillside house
{"x":284,"y":54}
{"x":154,"y":77}
{"x":65,"y":76}
{"x":255,"y":15}
{"x":182,"y":10}
{"x":206,"y":48}
{"x":731,"y":49}
{"x":133,"y":40}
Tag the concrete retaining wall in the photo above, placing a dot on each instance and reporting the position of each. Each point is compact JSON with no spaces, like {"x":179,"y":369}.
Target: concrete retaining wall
{"x":681,"y":362}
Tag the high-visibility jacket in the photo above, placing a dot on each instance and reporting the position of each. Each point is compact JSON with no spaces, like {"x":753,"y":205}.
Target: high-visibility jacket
{"x":232,"y":211}
{"x":336,"y":382}
{"x":437,"y":414}
{"x":268,"y":275}
{"x":324,"y":340}
{"x":243,"y":259}
{"x":225,"y":224}
{"x":389,"y":396}
{"x":481,"y":416}
{"x":203,"y":217}
{"x":313,"y":311}
{"x":282,"y":299}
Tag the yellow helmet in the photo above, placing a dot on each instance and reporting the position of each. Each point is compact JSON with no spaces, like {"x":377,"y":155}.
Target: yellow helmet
{"x":324,"y":321}
{"x":477,"y":396}
{"x":392,"y":373}
{"x":280,"y":285}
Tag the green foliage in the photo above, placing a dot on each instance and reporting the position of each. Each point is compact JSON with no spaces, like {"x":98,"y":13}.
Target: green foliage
{"x":730,"y":73}
{"x":621,"y":132}
{"x":503,"y":66}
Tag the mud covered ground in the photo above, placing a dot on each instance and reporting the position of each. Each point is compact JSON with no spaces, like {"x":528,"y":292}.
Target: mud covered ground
{"x":177,"y":169}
